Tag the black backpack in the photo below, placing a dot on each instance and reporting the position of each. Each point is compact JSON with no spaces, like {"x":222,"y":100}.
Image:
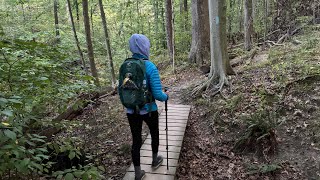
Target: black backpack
{"x":133,"y":89}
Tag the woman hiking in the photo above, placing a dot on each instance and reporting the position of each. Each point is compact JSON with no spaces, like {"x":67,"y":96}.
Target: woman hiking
{"x":140,"y":47}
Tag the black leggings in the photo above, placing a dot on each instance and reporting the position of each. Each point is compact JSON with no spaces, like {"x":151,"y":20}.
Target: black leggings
{"x":135,"y":121}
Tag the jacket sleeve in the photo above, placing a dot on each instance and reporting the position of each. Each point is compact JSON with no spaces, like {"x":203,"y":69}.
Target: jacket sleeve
{"x":155,"y":85}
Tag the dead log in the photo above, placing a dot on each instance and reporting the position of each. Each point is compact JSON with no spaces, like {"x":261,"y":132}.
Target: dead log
{"x":75,"y":109}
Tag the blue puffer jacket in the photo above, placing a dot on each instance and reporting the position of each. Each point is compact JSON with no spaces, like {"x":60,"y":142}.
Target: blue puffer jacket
{"x":154,"y":82}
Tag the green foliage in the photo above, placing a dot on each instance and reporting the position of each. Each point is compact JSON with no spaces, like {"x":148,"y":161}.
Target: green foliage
{"x":260,"y":131}
{"x":86,"y":172}
{"x":234,"y":102}
{"x":263,"y":168}
{"x":21,"y":152}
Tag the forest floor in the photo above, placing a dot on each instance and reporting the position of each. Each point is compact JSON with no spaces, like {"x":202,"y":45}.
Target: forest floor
{"x":282,"y":82}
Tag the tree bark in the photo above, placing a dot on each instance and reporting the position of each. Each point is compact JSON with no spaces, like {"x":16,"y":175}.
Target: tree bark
{"x":108,"y":46}
{"x":76,"y":38}
{"x":163,"y":36}
{"x":265,"y":19}
{"x":240,"y":16}
{"x":156,"y":22}
{"x":223,"y":38}
{"x":86,"y":22}
{"x":248,"y":24}
{"x":56,"y":20}
{"x":230,"y":19}
{"x":75,"y":2}
{"x":169,"y":29}
{"x":200,"y":45}
{"x":184,"y":13}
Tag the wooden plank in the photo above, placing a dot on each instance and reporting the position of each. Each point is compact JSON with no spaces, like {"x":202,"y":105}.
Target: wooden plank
{"x":172,"y":133}
{"x":162,"y":148}
{"x":179,"y":105}
{"x":174,"y":118}
{"x":173,"y":124}
{"x":163,"y":142}
{"x":171,"y":155}
{"x":130,"y":176}
{"x":148,"y":161}
{"x":162,"y":136}
{"x":182,"y":129}
{"x":173,"y":121}
{"x":160,"y":170}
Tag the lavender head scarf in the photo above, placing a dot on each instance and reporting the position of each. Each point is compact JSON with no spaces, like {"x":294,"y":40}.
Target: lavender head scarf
{"x":139,"y":44}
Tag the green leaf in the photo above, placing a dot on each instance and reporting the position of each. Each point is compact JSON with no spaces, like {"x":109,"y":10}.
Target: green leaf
{"x":15,"y":101}
{"x":25,"y":162}
{"x":10,"y":134}
{"x":38,"y":166}
{"x":42,"y":149}
{"x":31,"y":143}
{"x":37,"y":139}
{"x":43,"y":156}
{"x":43,"y":78}
{"x":69,"y":176}
{"x":101,"y":168}
{"x":3,"y":100}
{"x":60,"y":176}
{"x":85,"y":176}
{"x":72,"y":154}
{"x":7,"y":112}
{"x":78,"y":174}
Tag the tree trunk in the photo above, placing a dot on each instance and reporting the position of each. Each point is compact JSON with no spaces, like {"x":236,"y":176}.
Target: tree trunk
{"x":200,"y":45}
{"x":163,"y":35}
{"x":184,"y":14}
{"x":169,"y":30}
{"x":89,"y":42}
{"x":240,"y":16}
{"x":217,"y":76}
{"x":75,"y":2}
{"x":56,"y":20}
{"x":91,"y":19}
{"x":156,"y":22}
{"x":265,"y":19}
{"x":108,"y":46}
{"x":76,"y":38}
{"x":223,"y":38}
{"x":248,"y":25}
{"x":185,"y":4}
{"x":230,"y":19}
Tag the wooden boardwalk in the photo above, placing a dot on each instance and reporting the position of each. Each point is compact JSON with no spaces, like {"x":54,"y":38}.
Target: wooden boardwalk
{"x":177,"y":121}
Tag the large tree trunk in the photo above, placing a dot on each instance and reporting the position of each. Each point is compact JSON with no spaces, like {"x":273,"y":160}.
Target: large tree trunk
{"x":94,"y":71}
{"x":200,"y":45}
{"x":169,"y":30}
{"x":248,"y":24}
{"x":108,"y":46}
{"x":76,"y":38}
{"x":56,"y":20}
{"x":223,"y":38}
{"x":217,"y":77}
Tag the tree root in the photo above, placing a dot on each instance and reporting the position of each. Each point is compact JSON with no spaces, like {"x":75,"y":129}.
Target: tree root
{"x":210,"y":86}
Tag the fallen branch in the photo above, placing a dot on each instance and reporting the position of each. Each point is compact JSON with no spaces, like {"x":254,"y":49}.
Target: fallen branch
{"x":274,"y":43}
{"x":75,"y":109}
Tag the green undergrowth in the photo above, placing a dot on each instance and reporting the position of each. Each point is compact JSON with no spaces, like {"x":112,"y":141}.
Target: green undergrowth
{"x":256,"y":106}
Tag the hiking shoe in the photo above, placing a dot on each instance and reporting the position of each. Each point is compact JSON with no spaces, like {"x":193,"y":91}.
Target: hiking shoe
{"x":157,"y":162}
{"x":141,"y":176}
